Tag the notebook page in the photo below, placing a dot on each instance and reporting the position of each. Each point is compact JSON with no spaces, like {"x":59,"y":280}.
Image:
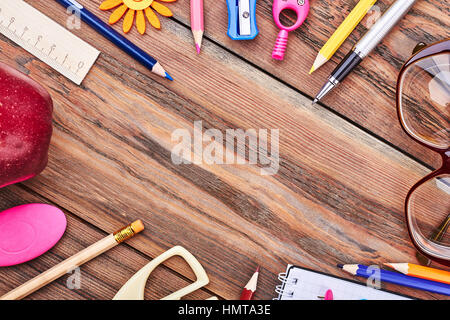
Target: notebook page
{"x":308,"y":285}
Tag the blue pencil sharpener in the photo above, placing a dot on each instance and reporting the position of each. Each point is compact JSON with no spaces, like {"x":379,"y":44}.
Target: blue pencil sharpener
{"x":242,"y":19}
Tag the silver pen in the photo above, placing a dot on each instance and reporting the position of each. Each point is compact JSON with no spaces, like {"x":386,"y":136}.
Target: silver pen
{"x":364,"y":46}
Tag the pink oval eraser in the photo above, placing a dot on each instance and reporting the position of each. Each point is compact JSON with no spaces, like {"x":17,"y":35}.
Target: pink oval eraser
{"x":28,"y":231}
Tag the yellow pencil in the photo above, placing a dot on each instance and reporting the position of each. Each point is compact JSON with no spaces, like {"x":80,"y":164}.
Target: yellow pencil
{"x":417,"y":271}
{"x":342,"y":32}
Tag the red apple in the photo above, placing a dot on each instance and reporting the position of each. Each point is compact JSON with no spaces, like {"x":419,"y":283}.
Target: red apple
{"x":25,"y":126}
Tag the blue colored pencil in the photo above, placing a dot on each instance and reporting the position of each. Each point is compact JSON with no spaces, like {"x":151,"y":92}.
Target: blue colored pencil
{"x":120,"y":41}
{"x":396,"y":278}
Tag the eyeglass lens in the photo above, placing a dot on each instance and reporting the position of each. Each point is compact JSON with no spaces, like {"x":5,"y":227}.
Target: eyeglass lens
{"x":425,"y":100}
{"x":424,"y":109}
{"x":428,"y":209}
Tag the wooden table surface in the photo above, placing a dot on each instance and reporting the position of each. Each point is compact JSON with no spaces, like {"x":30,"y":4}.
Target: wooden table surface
{"x":345,"y":164}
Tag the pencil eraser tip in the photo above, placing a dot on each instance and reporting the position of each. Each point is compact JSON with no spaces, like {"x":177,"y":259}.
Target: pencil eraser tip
{"x":137,"y":226}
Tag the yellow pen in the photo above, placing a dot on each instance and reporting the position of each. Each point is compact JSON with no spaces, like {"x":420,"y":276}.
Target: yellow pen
{"x":342,"y":32}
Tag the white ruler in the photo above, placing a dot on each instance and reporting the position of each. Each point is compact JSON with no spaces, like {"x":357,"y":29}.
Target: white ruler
{"x":47,"y":40}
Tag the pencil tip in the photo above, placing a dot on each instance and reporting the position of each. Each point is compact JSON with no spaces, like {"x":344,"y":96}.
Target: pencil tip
{"x":169,"y":77}
{"x":341,"y":266}
{"x":315,"y":101}
{"x":312,"y":70}
{"x":198,"y":48}
{"x":257,"y":269}
{"x":388,"y":265}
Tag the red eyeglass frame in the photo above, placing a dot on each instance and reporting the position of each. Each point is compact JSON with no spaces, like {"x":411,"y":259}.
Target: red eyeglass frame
{"x":434,"y":49}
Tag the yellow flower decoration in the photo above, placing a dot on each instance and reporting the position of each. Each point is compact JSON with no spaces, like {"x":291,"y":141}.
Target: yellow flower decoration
{"x":136,"y":8}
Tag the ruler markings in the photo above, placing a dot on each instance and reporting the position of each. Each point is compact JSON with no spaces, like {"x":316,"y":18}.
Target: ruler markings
{"x":47,"y":40}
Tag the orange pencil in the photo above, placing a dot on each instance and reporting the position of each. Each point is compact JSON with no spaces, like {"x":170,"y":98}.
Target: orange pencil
{"x":250,"y":288}
{"x":417,"y":271}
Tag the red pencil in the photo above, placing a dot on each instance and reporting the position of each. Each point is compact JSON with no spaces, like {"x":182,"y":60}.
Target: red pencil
{"x":250,"y":288}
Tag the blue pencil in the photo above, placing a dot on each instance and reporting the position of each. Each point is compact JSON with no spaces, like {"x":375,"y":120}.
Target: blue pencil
{"x":120,"y":41}
{"x":396,"y":278}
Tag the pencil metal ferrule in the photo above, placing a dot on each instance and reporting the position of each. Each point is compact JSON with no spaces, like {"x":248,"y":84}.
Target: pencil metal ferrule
{"x":124,"y":234}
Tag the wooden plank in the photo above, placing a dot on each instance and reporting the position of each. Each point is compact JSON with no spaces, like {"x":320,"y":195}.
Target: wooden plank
{"x":119,"y":264}
{"x":367,"y":96}
{"x":110,"y":163}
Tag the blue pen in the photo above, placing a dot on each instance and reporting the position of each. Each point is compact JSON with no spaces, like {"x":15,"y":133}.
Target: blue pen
{"x":120,"y":41}
{"x":396,"y":278}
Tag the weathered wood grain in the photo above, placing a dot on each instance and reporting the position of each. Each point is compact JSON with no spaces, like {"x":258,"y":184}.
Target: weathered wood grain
{"x":338,"y":196}
{"x":101,"y":278}
{"x":367,"y":97}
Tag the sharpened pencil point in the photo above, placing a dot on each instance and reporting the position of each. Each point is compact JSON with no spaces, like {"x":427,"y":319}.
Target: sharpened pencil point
{"x":340,"y":265}
{"x":315,"y":101}
{"x":257,"y":269}
{"x":320,"y":60}
{"x":198,"y":37}
{"x":169,"y":77}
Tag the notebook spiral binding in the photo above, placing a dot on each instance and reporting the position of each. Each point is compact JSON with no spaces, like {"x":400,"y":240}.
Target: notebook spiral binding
{"x":282,"y":277}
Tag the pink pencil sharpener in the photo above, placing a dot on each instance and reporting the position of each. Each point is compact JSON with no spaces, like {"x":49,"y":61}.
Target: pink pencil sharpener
{"x":301,"y":8}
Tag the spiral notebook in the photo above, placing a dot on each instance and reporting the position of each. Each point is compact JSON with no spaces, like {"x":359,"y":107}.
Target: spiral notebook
{"x":303,"y":284}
